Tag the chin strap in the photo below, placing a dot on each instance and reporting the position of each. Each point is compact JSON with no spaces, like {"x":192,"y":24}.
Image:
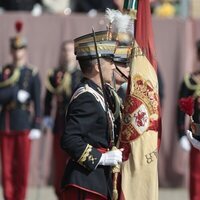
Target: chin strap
{"x":121,"y":73}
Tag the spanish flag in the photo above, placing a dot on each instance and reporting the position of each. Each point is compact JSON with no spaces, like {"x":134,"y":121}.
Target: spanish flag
{"x":141,"y":118}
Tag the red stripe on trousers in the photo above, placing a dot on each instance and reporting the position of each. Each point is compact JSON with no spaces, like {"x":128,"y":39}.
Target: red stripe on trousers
{"x":74,"y":193}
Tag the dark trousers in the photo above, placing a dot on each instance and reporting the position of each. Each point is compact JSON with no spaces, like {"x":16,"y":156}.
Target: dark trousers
{"x":15,"y":153}
{"x":74,"y":193}
{"x":60,"y":159}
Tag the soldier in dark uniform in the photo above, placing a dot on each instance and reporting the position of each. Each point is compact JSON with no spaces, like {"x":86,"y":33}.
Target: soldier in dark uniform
{"x":117,"y":92}
{"x":60,"y":84}
{"x":121,"y":73}
{"x":87,"y":135}
{"x":121,"y":26}
{"x":190,"y":87}
{"x":19,"y":88}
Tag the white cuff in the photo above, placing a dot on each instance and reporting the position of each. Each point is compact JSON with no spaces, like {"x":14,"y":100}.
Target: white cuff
{"x":34,"y":134}
{"x":185,"y":144}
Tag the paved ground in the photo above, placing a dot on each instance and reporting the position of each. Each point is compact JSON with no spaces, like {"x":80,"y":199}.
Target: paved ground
{"x":47,"y":193}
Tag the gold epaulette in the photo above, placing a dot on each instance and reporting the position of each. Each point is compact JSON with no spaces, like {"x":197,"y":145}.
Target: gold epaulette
{"x":65,"y":85}
{"x":193,"y":86}
{"x":11,"y":80}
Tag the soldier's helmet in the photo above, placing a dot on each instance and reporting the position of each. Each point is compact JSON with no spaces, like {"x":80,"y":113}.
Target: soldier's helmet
{"x":85,"y":46}
{"x":18,"y":41}
{"x":122,"y":32}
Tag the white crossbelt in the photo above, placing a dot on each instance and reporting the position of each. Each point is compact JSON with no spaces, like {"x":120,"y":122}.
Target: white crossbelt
{"x":87,"y":88}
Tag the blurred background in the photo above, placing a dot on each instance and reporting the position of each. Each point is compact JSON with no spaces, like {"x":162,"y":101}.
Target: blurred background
{"x":47,"y":23}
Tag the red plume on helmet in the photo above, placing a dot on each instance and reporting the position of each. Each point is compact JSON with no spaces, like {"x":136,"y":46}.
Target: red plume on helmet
{"x":18,"y":41}
{"x":18,"y":26}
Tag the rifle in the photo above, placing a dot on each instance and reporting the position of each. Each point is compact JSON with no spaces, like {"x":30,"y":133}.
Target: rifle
{"x":115,"y":169}
{"x":108,"y":114}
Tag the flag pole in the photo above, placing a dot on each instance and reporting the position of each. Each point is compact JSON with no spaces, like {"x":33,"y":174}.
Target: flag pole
{"x":140,"y":119}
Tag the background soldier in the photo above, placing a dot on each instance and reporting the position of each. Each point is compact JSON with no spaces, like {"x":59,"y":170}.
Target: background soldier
{"x":86,"y":137}
{"x":190,"y":87}
{"x":60,"y":84}
{"x":19,"y":87}
{"x":121,"y":73}
{"x":116,"y":94}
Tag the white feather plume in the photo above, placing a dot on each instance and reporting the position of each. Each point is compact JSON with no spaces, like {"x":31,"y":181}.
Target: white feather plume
{"x":123,"y":23}
{"x":110,"y":14}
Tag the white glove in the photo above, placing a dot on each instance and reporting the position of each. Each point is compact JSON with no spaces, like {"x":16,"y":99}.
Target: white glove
{"x":195,"y":143}
{"x":47,"y":122}
{"x":185,"y":144}
{"x":92,"y":13}
{"x":22,"y":96}
{"x":111,"y":158}
{"x":37,"y":10}
{"x":34,"y":134}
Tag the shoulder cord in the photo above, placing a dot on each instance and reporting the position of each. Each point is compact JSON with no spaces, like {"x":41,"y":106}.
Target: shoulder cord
{"x":195,"y":87}
{"x":64,"y":86}
{"x":12,"y":79}
{"x":87,"y":88}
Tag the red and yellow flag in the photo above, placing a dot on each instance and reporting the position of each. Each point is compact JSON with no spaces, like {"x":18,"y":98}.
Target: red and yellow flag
{"x":140,"y":124}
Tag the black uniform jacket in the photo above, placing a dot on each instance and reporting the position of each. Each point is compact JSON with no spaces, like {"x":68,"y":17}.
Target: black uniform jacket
{"x":16,"y":116}
{"x":189,"y":87}
{"x":86,"y":132}
{"x":55,"y":89}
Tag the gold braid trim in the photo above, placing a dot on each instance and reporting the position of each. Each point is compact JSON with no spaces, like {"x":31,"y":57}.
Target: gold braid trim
{"x":65,"y":85}
{"x":12,"y":79}
{"x":85,"y":154}
{"x":195,"y":87}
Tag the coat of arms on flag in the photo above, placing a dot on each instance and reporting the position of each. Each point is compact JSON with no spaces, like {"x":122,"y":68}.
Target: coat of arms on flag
{"x":140,"y":126}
